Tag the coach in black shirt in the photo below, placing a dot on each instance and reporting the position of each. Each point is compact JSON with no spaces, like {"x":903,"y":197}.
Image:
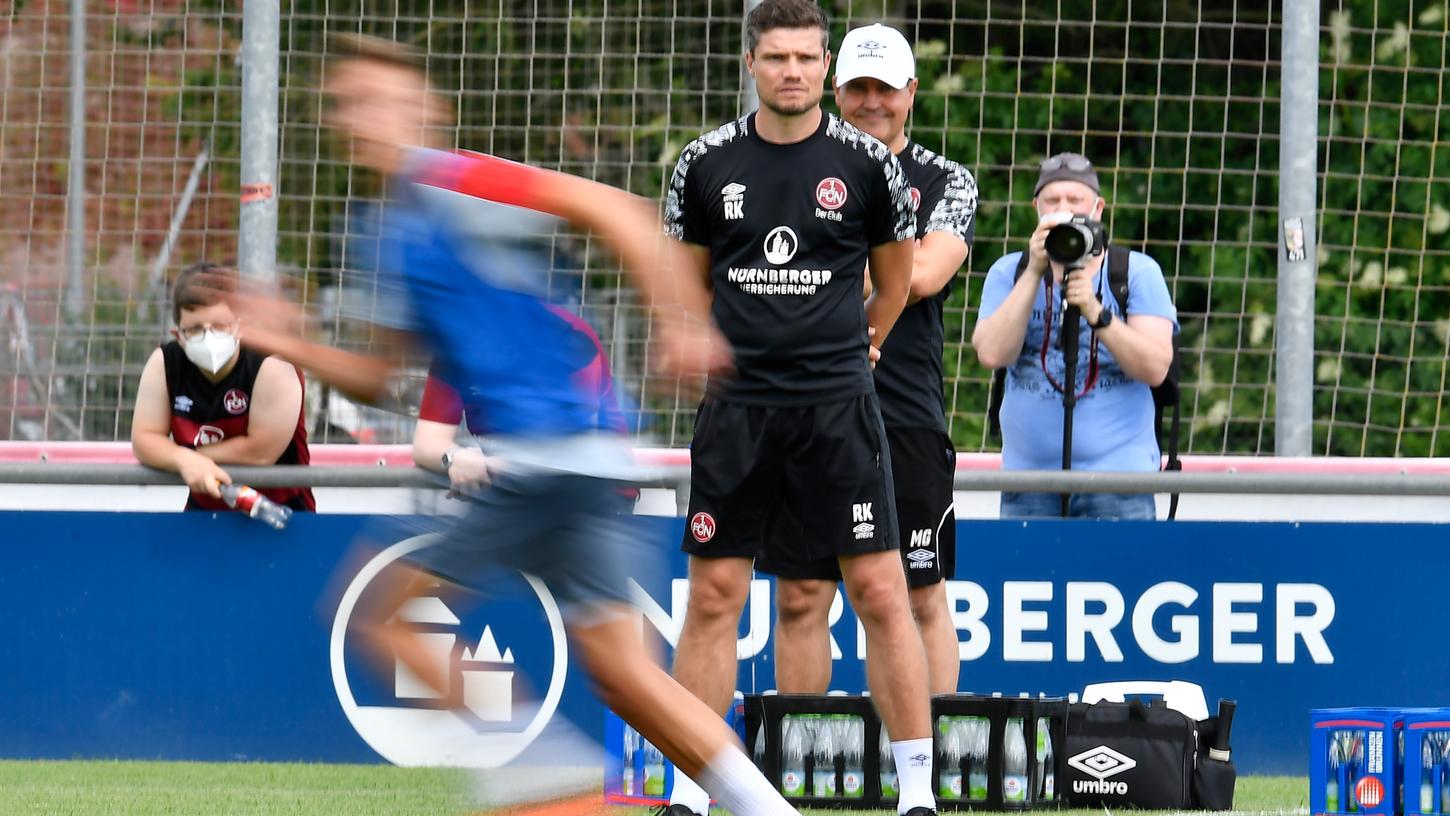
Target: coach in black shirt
{"x":789,"y":465}
{"x":875,"y":88}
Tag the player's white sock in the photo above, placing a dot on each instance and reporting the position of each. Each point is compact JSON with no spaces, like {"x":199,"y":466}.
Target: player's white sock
{"x":686,"y":792}
{"x":913,"y":774}
{"x":741,"y":788}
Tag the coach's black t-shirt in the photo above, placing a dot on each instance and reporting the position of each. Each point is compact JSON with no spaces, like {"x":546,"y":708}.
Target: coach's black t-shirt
{"x":909,"y":374}
{"x":789,"y":227}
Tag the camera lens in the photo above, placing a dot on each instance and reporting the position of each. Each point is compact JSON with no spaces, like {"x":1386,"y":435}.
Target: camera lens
{"x":1068,"y":243}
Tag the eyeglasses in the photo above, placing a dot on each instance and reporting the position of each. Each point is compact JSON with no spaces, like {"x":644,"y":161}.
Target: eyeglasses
{"x":1073,"y":162}
{"x":195,"y":332}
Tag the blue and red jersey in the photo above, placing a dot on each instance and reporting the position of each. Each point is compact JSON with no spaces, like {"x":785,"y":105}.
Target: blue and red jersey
{"x":460,"y":268}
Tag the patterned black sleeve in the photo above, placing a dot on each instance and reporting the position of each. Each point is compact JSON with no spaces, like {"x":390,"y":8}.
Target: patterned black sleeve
{"x":899,"y":188}
{"x":682,"y":221}
{"x":955,"y":211}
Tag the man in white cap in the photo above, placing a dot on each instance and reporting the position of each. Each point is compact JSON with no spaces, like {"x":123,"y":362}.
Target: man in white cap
{"x":875,"y":87}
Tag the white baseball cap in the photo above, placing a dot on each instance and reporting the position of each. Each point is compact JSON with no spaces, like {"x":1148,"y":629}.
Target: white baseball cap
{"x":876,"y":51}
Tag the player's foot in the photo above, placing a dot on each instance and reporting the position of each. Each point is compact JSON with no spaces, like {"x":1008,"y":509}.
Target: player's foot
{"x":920,"y":811}
{"x":675,"y":810}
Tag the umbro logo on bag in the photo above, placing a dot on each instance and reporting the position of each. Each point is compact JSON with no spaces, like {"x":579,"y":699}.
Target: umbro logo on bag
{"x":1101,"y":763}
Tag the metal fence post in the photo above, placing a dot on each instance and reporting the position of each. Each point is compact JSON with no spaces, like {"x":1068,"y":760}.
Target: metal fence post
{"x":257,"y":239}
{"x":749,"y":100}
{"x":1298,"y":166}
{"x":75,"y":202}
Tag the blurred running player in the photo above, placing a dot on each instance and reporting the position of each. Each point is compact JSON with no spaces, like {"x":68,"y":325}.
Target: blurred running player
{"x":453,"y":278}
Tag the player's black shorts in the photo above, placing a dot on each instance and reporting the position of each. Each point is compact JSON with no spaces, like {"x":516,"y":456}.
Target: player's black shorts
{"x":924,"y":465}
{"x":790,"y":486}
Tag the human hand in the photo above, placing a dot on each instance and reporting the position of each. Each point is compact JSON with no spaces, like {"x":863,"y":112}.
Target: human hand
{"x":690,"y":349}
{"x":1037,"y":261}
{"x":469,"y":472}
{"x":873,"y":352}
{"x":201,"y":474}
{"x":1077,"y":290}
{"x":267,"y":318}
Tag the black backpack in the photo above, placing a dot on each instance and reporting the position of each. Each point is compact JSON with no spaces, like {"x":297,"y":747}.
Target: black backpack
{"x":1165,"y":394}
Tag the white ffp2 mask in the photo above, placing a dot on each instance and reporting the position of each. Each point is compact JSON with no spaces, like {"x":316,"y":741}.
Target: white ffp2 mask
{"x":211,"y":351}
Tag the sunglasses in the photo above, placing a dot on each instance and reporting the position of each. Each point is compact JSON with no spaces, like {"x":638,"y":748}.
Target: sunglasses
{"x":1076,"y":164}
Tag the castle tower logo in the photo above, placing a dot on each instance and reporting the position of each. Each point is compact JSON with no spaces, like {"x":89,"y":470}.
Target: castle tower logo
{"x":405,"y":720}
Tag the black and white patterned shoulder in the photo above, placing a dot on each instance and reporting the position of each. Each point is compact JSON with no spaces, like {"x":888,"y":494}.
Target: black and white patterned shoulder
{"x":855,"y":138}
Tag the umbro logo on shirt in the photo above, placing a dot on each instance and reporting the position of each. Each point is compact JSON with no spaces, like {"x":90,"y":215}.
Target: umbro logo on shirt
{"x":733,"y":195}
{"x":181,"y":404}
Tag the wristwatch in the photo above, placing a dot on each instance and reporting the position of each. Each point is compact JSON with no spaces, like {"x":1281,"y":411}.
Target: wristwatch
{"x":448,"y":456}
{"x":1105,"y":319}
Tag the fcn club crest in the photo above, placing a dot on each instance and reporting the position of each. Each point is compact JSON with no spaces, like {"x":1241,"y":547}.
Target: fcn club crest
{"x":831,"y":193}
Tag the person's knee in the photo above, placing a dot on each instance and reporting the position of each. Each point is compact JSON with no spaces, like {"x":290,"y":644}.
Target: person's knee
{"x":878,"y":594}
{"x":612,"y":652}
{"x":928,"y":604}
{"x":717,"y":593}
{"x":803,"y":603}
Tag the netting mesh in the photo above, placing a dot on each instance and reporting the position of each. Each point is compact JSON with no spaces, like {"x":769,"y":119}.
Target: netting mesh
{"x":1176,"y":102}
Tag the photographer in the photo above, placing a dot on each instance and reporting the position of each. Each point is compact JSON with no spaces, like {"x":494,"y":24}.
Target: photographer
{"x":1119,"y":358}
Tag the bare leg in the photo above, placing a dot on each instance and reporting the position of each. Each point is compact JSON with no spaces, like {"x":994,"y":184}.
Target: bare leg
{"x":385,"y":643}
{"x":933,"y":618}
{"x":685,"y":729}
{"x":640,"y":692}
{"x":802,"y":635}
{"x":895,"y":659}
{"x":705,"y":656}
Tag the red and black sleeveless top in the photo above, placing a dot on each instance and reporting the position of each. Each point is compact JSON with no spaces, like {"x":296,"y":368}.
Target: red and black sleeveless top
{"x":205,"y":412}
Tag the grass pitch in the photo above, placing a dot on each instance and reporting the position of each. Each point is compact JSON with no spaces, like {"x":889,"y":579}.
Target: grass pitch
{"x":273,"y":789}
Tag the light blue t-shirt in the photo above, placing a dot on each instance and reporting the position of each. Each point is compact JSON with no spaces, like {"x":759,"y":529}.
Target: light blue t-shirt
{"x":1112,"y":423}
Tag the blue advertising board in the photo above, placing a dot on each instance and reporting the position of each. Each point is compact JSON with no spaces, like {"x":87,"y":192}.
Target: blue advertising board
{"x":210,"y":637}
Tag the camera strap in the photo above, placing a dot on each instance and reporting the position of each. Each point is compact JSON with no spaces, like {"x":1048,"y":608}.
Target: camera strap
{"x":1047,"y":313}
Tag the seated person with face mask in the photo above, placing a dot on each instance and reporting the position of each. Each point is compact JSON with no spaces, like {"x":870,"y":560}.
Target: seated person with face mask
{"x":204,"y":401}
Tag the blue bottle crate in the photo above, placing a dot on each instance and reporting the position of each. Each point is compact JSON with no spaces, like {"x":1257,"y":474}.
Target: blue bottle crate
{"x":1425,"y":761}
{"x":1353,"y":761}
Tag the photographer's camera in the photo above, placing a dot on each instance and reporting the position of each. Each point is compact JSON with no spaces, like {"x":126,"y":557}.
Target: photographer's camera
{"x":1072,"y":242}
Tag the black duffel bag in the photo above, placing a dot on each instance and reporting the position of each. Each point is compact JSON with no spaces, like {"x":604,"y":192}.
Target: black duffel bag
{"x":1136,"y":755}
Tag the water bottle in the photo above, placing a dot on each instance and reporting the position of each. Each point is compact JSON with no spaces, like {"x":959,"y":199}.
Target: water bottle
{"x":853,"y":769}
{"x":1014,"y":764}
{"x":976,"y":739}
{"x":759,"y":754}
{"x":246,"y":500}
{"x":654,"y":770}
{"x":1331,"y":784}
{"x":1045,"y":764}
{"x":792,"y":758}
{"x":889,"y":785}
{"x":949,"y":775}
{"x":823,"y":774}
{"x":1443,"y":772}
{"x":631,"y":747}
{"x":1428,"y":765}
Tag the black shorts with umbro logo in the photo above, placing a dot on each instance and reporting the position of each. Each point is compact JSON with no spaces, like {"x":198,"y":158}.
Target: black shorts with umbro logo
{"x":790,"y":485}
